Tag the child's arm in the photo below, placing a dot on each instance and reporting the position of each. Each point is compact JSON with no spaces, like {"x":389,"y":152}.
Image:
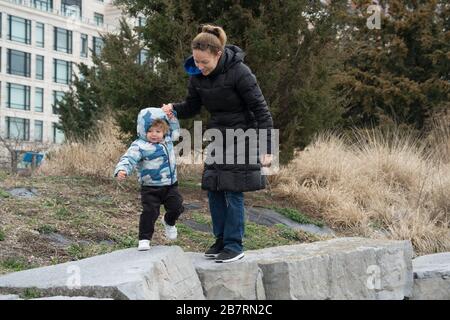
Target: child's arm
{"x":128,"y":161}
{"x":174,"y":127}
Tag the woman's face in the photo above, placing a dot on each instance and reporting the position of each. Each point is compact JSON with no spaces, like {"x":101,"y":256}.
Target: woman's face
{"x":206,"y":61}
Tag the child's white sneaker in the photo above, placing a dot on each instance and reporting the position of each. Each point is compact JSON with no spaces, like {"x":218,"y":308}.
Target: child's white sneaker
{"x":171,"y":231}
{"x":144,"y":245}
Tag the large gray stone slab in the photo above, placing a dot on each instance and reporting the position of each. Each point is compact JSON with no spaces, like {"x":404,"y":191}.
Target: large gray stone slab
{"x":10,"y":297}
{"x":23,"y":192}
{"x":198,"y":226}
{"x":270,"y":217}
{"x":229,"y":281}
{"x":344,"y":268}
{"x":432,"y":277}
{"x":160,"y":273}
{"x":70,"y":298}
{"x":58,"y":239}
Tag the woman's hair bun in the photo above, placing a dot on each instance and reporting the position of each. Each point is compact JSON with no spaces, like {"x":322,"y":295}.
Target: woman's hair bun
{"x":215,"y":31}
{"x":210,"y":29}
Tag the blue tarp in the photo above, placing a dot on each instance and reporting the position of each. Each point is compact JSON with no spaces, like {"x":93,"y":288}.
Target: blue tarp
{"x":28,"y":157}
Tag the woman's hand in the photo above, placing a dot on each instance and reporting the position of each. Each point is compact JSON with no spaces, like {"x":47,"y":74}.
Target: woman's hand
{"x":266,"y":160}
{"x":168,"y":108}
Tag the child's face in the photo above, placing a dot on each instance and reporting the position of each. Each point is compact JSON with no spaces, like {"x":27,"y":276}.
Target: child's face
{"x":155,"y":134}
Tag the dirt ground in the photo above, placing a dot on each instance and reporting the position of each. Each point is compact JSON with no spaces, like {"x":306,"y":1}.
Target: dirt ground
{"x":71,"y":218}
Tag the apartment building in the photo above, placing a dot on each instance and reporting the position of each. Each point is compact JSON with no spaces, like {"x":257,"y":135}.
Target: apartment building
{"x":41,"y":41}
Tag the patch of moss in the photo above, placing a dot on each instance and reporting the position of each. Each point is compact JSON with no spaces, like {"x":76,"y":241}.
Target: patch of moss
{"x":30,"y":293}
{"x":297,"y":216}
{"x":201,"y":218}
{"x":15,"y":264}
{"x":46,"y":229}
{"x":4,"y":194}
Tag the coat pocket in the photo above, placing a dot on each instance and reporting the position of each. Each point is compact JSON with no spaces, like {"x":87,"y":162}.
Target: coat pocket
{"x":231,"y":180}
{"x":210,"y":180}
{"x":255,"y":180}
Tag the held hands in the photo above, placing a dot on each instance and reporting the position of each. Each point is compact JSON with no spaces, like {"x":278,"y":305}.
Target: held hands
{"x":121,"y":175}
{"x":266,"y":160}
{"x":168,"y":109}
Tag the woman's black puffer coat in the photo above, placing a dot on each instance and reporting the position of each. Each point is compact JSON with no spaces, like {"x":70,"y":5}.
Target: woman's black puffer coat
{"x":234,"y":100}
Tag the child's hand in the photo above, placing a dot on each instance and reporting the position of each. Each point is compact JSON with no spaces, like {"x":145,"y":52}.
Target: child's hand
{"x":121,"y":175}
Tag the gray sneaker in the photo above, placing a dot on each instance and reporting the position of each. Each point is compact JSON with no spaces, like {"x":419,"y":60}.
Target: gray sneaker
{"x":229,"y":256}
{"x":215,"y":249}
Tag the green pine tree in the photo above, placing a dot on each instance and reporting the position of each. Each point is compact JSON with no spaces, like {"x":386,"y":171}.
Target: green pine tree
{"x":398,"y":74}
{"x":294,"y":63}
{"x":128,"y":81}
{"x":80,"y":108}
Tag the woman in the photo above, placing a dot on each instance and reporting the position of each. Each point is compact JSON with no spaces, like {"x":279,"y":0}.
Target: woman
{"x":220,"y":81}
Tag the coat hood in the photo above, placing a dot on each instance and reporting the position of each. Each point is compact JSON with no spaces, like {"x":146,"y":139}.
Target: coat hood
{"x":145,"y":120}
{"x":232,"y":55}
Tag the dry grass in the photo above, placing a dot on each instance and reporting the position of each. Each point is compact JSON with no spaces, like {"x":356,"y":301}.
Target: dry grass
{"x":376,"y":185}
{"x":97,"y":158}
{"x":189,"y":171}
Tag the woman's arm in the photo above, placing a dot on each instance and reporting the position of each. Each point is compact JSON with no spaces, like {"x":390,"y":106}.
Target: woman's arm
{"x":250,"y":92}
{"x":191,"y":106}
{"x":174,"y":127}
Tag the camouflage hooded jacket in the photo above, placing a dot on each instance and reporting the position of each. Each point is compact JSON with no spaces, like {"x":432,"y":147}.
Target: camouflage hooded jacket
{"x":155,"y":162}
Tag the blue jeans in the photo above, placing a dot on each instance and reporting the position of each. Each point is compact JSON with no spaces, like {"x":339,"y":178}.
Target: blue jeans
{"x":227,"y":213}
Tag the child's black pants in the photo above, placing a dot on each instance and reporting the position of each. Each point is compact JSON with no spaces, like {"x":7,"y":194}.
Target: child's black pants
{"x":152,"y":198}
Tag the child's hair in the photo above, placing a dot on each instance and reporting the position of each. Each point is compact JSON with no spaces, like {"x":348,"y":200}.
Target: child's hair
{"x":210,"y":37}
{"x":160,"y":123}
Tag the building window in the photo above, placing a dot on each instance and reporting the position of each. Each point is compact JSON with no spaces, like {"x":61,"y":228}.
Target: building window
{"x":71,"y":8}
{"x":19,"y":29}
{"x":44,"y":5}
{"x":17,"y":128}
{"x":84,"y":45}
{"x":17,"y":96}
{"x":39,"y":67}
{"x":19,"y":63}
{"x":143,"y":56}
{"x":38,"y":130}
{"x":97,"y":45}
{"x":62,"y":71}
{"x":141,"y":21}
{"x":39,"y":100}
{"x":98,"y":19}
{"x":57,"y":97}
{"x":62,"y":40}
{"x":40,"y":34}
{"x":58,"y":135}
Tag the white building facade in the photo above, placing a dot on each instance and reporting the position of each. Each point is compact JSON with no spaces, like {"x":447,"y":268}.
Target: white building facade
{"x":41,"y":41}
